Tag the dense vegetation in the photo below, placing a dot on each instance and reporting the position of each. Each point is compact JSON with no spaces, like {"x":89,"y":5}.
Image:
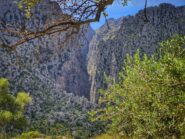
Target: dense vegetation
{"x":148,"y":100}
{"x":13,"y":121}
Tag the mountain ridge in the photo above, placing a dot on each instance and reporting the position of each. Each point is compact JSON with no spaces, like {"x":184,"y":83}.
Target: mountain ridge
{"x":110,"y":45}
{"x":51,"y":69}
{"x":60,"y":75}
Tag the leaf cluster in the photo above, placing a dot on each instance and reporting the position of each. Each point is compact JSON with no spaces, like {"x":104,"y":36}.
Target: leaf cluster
{"x":148,"y":100}
{"x":12,"y":108}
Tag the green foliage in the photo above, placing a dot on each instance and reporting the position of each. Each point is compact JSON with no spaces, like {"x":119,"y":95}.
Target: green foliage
{"x":148,"y":100}
{"x":107,"y":136}
{"x":30,"y":135}
{"x":59,"y":129}
{"x":22,"y":99}
{"x":77,"y":131}
{"x":27,"y":5}
{"x":11,"y":108}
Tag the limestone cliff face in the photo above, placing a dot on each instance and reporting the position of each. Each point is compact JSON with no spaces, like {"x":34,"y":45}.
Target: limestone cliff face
{"x":53,"y":57}
{"x":52,"y":68}
{"x":56,"y":70}
{"x":109,"y":46}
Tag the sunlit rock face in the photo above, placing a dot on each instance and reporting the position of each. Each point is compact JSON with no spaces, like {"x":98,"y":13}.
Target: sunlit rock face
{"x":110,"y":45}
{"x":51,"y":68}
{"x":57,"y":69}
{"x":57,"y":57}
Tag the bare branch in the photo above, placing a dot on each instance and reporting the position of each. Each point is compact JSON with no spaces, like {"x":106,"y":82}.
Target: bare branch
{"x":74,"y":16}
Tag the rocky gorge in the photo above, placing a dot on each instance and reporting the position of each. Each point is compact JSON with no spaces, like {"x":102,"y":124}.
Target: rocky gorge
{"x":109,"y":46}
{"x":63,"y":75}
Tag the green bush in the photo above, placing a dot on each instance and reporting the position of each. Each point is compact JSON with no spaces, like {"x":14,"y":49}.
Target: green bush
{"x":30,"y":135}
{"x":107,"y":136}
{"x":148,"y":101}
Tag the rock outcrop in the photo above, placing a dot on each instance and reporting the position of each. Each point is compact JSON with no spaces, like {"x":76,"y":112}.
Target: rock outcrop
{"x":110,"y":45}
{"x":55,"y":69}
{"x":51,"y":68}
{"x":60,"y":60}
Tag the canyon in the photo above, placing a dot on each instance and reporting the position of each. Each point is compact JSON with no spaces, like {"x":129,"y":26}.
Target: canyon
{"x":64,"y":75}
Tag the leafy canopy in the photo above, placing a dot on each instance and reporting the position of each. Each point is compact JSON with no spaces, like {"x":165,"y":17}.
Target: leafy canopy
{"x":148,"y":101}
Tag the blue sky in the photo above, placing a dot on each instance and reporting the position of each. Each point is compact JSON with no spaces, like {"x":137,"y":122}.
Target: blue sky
{"x":117,"y":10}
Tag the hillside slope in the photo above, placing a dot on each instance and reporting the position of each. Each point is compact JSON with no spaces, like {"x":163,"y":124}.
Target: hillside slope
{"x":110,"y":45}
{"x":52,"y":68}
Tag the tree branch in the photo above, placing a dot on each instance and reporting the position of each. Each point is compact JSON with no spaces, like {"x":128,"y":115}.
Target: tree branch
{"x":86,"y":12}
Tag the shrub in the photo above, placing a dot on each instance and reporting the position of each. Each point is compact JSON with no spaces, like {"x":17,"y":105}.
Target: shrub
{"x":30,"y":135}
{"x":148,"y":101}
{"x":107,"y":136}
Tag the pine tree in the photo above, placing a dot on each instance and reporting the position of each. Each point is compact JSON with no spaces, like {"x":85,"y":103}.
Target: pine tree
{"x":11,"y":108}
